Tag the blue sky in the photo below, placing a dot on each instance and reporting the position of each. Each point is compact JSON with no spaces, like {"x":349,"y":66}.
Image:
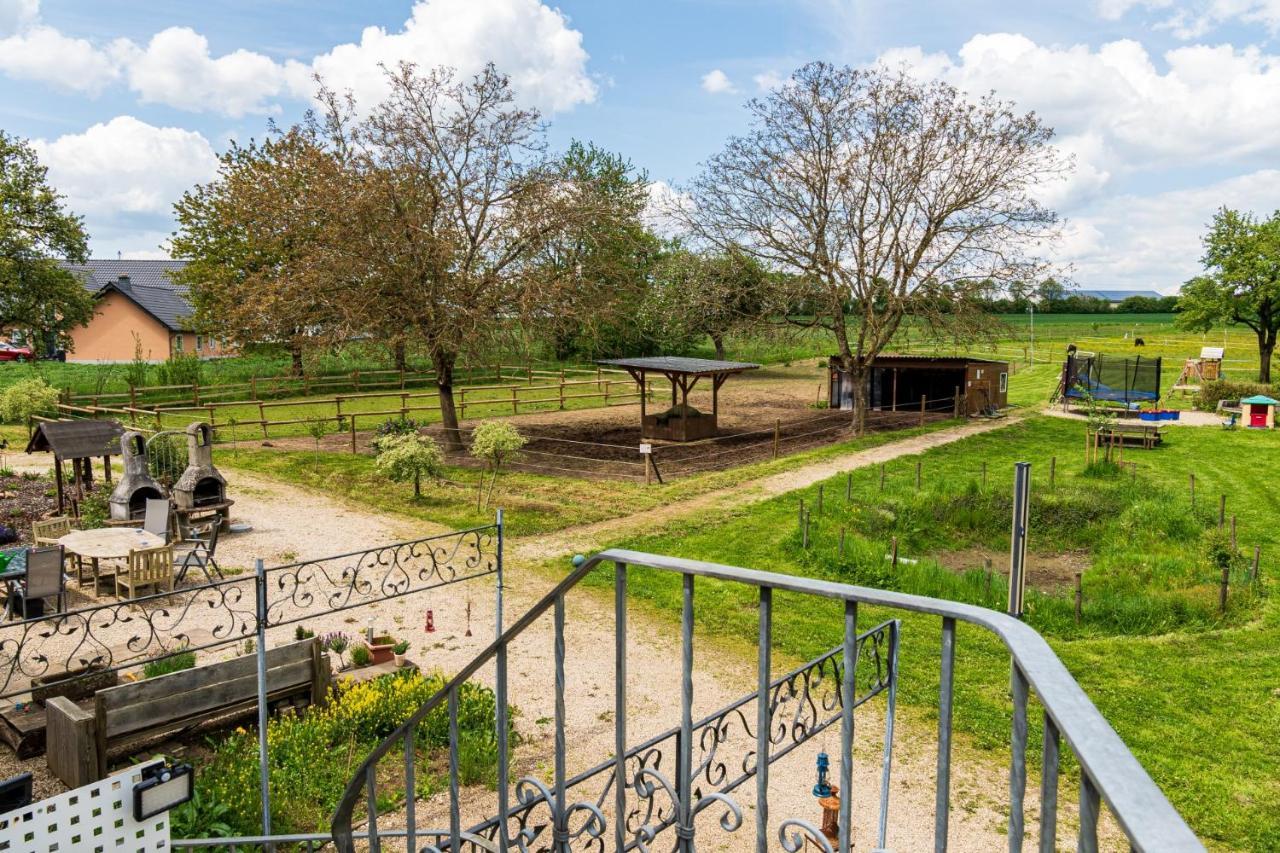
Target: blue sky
{"x":1170,"y":108}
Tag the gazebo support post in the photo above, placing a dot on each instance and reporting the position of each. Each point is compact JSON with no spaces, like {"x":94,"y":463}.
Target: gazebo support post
{"x":106,"y":469}
{"x":57,"y":474}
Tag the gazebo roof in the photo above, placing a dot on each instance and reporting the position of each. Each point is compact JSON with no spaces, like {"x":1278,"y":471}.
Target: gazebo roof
{"x":77,"y":439}
{"x":677,"y":365}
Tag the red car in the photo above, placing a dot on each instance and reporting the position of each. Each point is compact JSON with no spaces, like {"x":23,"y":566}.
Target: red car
{"x":12,"y":352}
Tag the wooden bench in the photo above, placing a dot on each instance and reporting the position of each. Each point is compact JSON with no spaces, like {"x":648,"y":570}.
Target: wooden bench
{"x":1145,"y":436}
{"x":80,"y":740}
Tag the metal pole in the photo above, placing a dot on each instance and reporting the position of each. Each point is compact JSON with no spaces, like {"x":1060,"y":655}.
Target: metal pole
{"x":263,"y":767}
{"x":497,"y":618}
{"x":1018,"y":539}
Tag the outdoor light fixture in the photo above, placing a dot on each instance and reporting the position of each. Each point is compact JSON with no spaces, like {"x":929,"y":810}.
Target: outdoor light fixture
{"x":163,"y":787}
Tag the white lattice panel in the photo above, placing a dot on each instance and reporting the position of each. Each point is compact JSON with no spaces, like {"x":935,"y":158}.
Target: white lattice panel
{"x":97,"y":818}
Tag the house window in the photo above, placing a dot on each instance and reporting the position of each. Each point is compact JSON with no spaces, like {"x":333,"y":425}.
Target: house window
{"x":979,"y":374}
{"x":1004,"y":382}
{"x":177,"y":343}
{"x":199,"y":343}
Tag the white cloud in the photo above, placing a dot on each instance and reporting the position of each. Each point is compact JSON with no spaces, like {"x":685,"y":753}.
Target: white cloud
{"x":1196,"y":19}
{"x":664,"y":208}
{"x":528,"y":41}
{"x":716,"y":82}
{"x":44,"y":54}
{"x":126,"y":167}
{"x":1153,"y":241}
{"x":176,"y":68}
{"x":17,"y":14}
{"x":1116,"y":110}
{"x":767,"y":81}
{"x":1114,"y":10}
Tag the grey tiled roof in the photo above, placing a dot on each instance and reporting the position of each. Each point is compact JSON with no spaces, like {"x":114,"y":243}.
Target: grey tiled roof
{"x":146,"y":282}
{"x":677,"y":364}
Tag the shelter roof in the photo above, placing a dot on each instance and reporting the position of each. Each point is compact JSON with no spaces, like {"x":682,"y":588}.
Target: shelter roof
{"x":76,"y":439}
{"x":669,"y":364}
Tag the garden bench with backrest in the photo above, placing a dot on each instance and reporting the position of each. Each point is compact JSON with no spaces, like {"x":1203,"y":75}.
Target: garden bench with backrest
{"x":123,"y":719}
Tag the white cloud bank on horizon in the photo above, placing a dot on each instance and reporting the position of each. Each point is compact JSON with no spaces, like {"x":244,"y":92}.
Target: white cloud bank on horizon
{"x":527,"y":40}
{"x":1121,"y":116}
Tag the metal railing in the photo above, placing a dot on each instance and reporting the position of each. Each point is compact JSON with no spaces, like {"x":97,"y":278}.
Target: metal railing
{"x":1108,"y":771}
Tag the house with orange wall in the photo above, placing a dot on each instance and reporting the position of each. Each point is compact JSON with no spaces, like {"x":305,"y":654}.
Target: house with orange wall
{"x":138,"y":305}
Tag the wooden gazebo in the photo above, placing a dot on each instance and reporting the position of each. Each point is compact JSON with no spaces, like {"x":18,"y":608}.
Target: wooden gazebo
{"x":681,"y":422}
{"x":77,"y":442}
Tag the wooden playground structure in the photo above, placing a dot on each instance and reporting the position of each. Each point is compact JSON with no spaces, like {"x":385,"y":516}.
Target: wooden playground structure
{"x":1197,"y":371}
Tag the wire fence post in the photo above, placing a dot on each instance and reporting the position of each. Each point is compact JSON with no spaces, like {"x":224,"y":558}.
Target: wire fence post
{"x":263,"y":766}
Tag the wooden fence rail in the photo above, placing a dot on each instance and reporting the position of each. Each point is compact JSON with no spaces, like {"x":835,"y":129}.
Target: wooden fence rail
{"x":610,"y":392}
{"x":231,"y":393}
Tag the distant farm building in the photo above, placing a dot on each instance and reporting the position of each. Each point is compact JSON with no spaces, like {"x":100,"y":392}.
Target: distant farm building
{"x":1115,"y":297}
{"x":137,"y":297}
{"x":900,"y":382}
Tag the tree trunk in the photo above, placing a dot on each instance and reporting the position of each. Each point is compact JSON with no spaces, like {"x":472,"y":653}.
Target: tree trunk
{"x":397,"y":351}
{"x":859,"y":373}
{"x":443,"y":363}
{"x":417,"y":485}
{"x":718,"y":340}
{"x":1266,"y":347}
{"x":295,"y":353}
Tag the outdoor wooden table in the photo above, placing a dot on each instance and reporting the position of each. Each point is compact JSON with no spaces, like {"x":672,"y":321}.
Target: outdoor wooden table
{"x":108,"y":543}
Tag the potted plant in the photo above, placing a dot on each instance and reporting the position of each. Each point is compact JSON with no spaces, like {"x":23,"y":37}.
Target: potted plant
{"x":360,"y":656}
{"x":380,"y":648}
{"x":400,"y":650}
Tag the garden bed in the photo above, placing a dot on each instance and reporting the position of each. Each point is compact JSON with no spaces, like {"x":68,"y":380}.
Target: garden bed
{"x":25,"y":498}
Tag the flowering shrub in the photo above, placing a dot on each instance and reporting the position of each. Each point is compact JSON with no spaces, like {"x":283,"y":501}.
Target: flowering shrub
{"x":408,"y":458}
{"x":312,"y":756}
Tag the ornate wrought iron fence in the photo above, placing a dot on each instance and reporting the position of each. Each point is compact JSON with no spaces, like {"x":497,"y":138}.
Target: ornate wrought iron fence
{"x":701,"y":779}
{"x":102,"y":638}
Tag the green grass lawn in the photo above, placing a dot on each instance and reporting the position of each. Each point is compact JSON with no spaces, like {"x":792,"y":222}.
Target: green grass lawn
{"x":533,"y":503}
{"x":1199,"y":703}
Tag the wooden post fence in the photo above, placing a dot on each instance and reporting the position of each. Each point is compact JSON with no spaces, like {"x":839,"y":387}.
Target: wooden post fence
{"x":922,"y":402}
{"x":1079,"y":598}
{"x":777,"y":429}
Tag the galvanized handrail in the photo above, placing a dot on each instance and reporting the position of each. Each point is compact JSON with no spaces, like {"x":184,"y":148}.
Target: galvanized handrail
{"x":1108,"y":770}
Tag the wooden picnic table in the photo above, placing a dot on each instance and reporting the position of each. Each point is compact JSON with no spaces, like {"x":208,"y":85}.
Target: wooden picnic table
{"x":108,"y":543}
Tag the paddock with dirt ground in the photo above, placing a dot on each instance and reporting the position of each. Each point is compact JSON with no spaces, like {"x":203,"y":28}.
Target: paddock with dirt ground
{"x":771,"y":412}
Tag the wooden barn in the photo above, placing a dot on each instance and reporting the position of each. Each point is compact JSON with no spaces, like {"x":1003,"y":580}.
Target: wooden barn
{"x":899,"y":382}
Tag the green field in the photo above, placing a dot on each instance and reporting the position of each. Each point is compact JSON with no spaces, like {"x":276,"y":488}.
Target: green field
{"x":1192,"y":692}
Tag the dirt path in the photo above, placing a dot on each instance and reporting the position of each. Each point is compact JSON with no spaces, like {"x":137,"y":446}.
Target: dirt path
{"x":593,"y":537}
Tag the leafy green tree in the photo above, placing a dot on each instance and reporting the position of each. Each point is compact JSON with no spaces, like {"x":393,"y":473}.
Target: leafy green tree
{"x":1241,"y":284}
{"x":251,"y":237}
{"x":599,"y":263}
{"x":718,"y":293}
{"x":37,"y":296}
{"x":495,"y":442}
{"x":408,"y":458}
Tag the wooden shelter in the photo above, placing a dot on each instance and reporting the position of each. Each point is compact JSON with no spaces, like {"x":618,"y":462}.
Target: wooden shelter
{"x":77,"y":442}
{"x":967,"y":386}
{"x":681,"y":422}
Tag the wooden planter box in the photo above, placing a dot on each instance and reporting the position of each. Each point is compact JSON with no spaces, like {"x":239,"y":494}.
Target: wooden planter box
{"x":380,"y":650}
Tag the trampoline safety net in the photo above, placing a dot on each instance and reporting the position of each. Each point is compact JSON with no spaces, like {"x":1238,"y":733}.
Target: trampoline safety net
{"x":1116,"y":379}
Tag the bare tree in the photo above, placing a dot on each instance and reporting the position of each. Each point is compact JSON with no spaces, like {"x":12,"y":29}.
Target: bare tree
{"x":881,"y":198}
{"x":450,"y":201}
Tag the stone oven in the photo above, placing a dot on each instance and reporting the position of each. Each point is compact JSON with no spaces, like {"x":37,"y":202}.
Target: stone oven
{"x":200,"y":484}
{"x":128,"y":500}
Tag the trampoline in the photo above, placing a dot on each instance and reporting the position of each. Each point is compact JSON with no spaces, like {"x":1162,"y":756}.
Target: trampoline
{"x":1127,"y":380}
